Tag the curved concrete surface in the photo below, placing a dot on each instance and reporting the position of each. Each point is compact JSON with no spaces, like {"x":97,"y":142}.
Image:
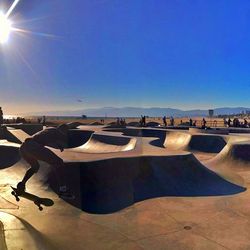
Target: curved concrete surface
{"x":221,"y":131}
{"x":190,"y":220}
{"x":18,"y":234}
{"x":110,"y":185}
{"x":194,"y":142}
{"x":78,"y":137}
{"x":99,"y":143}
{"x":16,"y":135}
{"x":236,"y":152}
{"x":9,"y":154}
{"x":178,"y":140}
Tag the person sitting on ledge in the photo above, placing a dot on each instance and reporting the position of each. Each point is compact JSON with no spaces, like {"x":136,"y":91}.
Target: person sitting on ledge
{"x":34,"y":149}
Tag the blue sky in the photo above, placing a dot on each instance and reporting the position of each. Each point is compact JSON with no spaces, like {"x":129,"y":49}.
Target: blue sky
{"x":145,"y":53}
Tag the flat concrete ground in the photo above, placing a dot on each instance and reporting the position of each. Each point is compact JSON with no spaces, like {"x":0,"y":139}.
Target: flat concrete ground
{"x":221,"y":222}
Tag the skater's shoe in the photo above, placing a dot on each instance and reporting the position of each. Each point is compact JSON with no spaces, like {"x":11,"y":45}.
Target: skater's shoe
{"x":65,"y":193}
{"x":21,"y":188}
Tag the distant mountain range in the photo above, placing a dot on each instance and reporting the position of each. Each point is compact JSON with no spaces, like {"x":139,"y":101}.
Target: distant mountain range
{"x":136,"y":112}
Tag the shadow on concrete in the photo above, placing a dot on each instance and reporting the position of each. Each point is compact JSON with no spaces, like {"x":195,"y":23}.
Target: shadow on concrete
{"x":78,"y":137}
{"x":8,"y":156}
{"x":40,"y":240}
{"x":107,"y":186}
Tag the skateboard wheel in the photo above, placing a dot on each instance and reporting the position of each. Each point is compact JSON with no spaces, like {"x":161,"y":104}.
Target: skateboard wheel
{"x":40,"y":208}
{"x":13,"y":193}
{"x":17,"y":199}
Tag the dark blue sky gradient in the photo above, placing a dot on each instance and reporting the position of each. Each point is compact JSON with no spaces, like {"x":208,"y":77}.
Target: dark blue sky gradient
{"x":182,"y":54}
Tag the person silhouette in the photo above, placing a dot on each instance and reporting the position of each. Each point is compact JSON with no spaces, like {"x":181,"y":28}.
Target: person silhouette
{"x":1,"y":116}
{"x":34,"y":149}
{"x":164,"y":119}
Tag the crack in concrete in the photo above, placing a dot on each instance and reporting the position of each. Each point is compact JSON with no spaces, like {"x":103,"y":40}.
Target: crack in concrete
{"x":213,"y":241}
{"x":111,"y":229}
{"x":157,"y":235}
{"x":17,"y":207}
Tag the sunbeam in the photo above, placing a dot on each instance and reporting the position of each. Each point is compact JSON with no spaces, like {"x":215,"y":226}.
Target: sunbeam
{"x":11,"y":8}
{"x":29,"y":32}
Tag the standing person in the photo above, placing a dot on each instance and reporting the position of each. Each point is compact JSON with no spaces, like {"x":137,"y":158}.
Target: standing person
{"x":225,"y":122}
{"x":140,"y":121}
{"x":204,"y":122}
{"x":1,"y":116}
{"x":144,"y":121}
{"x":190,"y":122}
{"x":164,"y":119}
{"x":34,"y":149}
{"x":117,"y":121}
{"x":172,"y":121}
{"x":44,"y":120}
{"x":245,"y":123}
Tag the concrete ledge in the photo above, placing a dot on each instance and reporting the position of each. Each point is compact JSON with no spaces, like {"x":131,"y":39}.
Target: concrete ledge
{"x":220,"y":131}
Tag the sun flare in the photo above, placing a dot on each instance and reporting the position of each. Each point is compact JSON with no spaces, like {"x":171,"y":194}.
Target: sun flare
{"x":5,"y":28}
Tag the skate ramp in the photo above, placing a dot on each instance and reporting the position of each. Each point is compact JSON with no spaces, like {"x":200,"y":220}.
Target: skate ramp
{"x":103,"y":143}
{"x":109,"y":185}
{"x":236,"y":152}
{"x":16,"y":135}
{"x":207,"y":143}
{"x":78,"y":137}
{"x":26,"y":127}
{"x":145,"y":132}
{"x":17,"y":233}
{"x":194,"y":142}
{"x":175,"y":140}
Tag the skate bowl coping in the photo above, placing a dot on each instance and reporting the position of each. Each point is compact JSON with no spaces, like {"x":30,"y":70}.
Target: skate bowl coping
{"x":221,"y":131}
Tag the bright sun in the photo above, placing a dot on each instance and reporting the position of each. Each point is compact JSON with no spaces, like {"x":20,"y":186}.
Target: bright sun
{"x":5,"y":28}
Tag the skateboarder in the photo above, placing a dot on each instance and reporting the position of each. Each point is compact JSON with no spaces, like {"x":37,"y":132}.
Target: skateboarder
{"x":34,"y":149}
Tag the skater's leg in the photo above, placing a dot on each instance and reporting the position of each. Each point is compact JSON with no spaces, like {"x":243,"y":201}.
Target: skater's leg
{"x":34,"y":167}
{"x":41,"y":153}
{"x":33,"y":152}
{"x":31,"y":171}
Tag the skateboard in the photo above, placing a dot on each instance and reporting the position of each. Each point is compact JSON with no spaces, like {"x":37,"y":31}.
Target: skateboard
{"x":38,"y":201}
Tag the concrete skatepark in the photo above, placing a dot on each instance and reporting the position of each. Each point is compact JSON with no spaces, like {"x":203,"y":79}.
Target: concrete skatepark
{"x":135,"y":188}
